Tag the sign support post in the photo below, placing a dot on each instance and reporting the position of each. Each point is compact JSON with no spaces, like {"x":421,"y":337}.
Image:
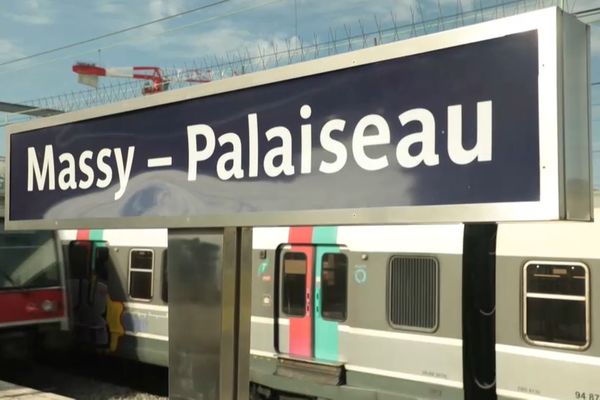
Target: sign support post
{"x":478,"y":310}
{"x":209,"y":313}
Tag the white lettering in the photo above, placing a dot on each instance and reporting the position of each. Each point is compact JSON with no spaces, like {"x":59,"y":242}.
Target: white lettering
{"x":235,"y":156}
{"x":306,"y":136}
{"x":253,"y":145}
{"x":195,"y":155}
{"x":86,"y":170}
{"x":412,"y":150}
{"x":104,"y":168}
{"x":66,"y":177}
{"x":333,"y":146}
{"x":360,"y":141}
{"x":284,"y":151}
{"x":46,"y":172}
{"x":80,"y":173}
{"x":123,"y":169}
{"x":482,"y":151}
{"x":426,"y":137}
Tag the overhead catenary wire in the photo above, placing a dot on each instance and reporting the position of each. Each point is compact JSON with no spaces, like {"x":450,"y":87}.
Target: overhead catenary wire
{"x":114,"y":33}
{"x":116,"y":44}
{"x":581,"y":13}
{"x":296,"y":51}
{"x":217,"y":17}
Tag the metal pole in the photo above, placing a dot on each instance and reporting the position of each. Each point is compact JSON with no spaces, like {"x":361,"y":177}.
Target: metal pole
{"x":479,"y":305}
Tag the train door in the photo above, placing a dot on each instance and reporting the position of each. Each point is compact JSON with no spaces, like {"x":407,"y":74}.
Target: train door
{"x":313,"y":300}
{"x":88,"y":281}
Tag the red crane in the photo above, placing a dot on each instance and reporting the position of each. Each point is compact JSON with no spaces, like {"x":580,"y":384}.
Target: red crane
{"x":89,"y":73}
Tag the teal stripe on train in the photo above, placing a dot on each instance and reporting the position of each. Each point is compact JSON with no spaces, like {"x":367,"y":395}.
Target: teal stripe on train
{"x":326,"y":332}
{"x":96,"y":234}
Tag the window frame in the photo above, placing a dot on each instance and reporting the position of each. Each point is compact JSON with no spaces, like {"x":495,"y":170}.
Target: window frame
{"x":347,"y":287}
{"x":51,"y":265}
{"x":436,"y":261}
{"x":151,"y":272}
{"x":524,"y":296}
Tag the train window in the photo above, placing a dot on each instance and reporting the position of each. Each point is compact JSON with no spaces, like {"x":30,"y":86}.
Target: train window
{"x":556,"y":304}
{"x":141,"y":264}
{"x":101,"y":263}
{"x":28,"y":259}
{"x":79,"y":259}
{"x":334,"y":286}
{"x":413,"y":292}
{"x":294,"y":284}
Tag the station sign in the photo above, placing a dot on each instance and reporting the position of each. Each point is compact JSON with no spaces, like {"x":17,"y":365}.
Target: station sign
{"x":483,"y":123}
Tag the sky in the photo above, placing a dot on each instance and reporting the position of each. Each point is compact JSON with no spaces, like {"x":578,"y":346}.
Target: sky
{"x":220,"y":29}
{"x":31,"y":26}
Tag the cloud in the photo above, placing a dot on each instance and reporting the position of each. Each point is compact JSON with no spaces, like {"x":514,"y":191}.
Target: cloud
{"x":110,"y":7}
{"x":147,"y":11}
{"x":151,"y":10}
{"x":33,"y":12}
{"x":218,"y":41}
{"x":9,"y":50}
{"x":228,"y":43}
{"x":245,"y":29}
{"x":257,"y":34}
{"x":163,"y":8}
{"x":146,"y":37}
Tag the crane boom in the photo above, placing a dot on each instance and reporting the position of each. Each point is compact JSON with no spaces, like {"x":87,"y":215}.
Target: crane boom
{"x":89,"y":73}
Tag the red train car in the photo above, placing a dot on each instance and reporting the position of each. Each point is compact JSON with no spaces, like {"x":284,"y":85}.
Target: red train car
{"x":32,"y":291}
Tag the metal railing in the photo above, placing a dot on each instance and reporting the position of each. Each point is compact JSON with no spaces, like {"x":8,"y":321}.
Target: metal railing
{"x":362,"y":34}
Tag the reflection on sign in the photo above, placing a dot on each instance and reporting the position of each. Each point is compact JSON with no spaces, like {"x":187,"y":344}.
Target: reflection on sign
{"x":67,"y":171}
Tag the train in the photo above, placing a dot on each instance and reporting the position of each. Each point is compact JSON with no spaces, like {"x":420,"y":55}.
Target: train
{"x":348,"y":312}
{"x":370,"y":312}
{"x":33,"y":297}
{"x":117,"y":286}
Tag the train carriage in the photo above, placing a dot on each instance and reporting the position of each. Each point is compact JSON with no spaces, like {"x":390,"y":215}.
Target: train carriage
{"x":547,"y":343}
{"x":370,"y":312}
{"x":354,"y":312}
{"x":32,"y":292}
{"x":118,"y":291}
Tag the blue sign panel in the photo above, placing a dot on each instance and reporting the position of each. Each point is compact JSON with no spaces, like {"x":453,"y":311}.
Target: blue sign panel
{"x":452,"y":126}
{"x":443,"y":127}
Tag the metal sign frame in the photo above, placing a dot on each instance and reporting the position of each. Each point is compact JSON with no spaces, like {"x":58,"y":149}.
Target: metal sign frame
{"x":565,"y":167}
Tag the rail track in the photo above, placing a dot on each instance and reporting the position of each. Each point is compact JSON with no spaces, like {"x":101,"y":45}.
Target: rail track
{"x":87,"y":377}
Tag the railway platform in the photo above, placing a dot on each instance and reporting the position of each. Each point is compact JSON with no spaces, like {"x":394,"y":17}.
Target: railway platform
{"x":11,"y":391}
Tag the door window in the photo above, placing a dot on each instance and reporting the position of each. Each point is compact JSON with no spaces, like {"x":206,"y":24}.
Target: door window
{"x":79,"y":260}
{"x":294,"y":284}
{"x":334,"y":286}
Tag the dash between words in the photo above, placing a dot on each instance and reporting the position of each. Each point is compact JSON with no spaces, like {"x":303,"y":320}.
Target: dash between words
{"x":97,"y":169}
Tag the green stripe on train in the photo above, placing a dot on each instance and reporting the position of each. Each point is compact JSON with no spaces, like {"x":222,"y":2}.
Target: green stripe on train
{"x":326,"y":332}
{"x":96,"y":234}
